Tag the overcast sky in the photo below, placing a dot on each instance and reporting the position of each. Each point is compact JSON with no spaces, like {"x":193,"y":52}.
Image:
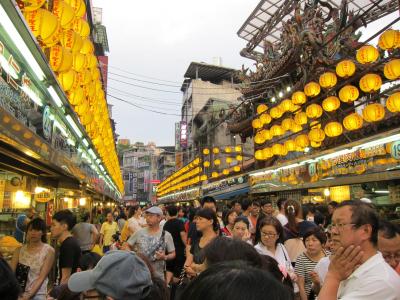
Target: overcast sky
{"x":159,"y":39}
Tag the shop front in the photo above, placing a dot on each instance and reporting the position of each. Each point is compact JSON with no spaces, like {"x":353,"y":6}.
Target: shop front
{"x":368,"y":169}
{"x":185,"y":197}
{"x":228,"y":189}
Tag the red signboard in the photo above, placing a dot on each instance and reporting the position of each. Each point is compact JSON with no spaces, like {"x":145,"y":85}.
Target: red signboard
{"x":156,"y":181}
{"x":104,"y":70}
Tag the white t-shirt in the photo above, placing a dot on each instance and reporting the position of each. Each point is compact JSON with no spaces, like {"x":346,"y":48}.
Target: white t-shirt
{"x":281,"y":255}
{"x":282,"y":218}
{"x":322,"y":268}
{"x":373,"y":280}
{"x":134,"y":224}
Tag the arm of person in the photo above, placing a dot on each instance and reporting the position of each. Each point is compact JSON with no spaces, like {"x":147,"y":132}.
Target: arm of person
{"x":301,"y":274}
{"x":101,"y":235}
{"x":15,"y":259}
{"x":316,"y":286}
{"x":65,"y":275}
{"x":183,"y":235}
{"x":94,"y":234}
{"x":342,"y":265}
{"x":131,"y":242}
{"x":189,"y":262}
{"x":302,"y":291}
{"x":44,"y":272}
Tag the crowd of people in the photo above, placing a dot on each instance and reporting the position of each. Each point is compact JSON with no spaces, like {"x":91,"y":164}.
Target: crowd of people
{"x":249,"y":250}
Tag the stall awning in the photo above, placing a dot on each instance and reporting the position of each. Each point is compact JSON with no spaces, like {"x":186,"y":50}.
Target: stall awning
{"x":231,"y":194}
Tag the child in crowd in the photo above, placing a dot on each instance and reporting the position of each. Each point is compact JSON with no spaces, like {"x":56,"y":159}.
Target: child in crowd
{"x":116,"y":244}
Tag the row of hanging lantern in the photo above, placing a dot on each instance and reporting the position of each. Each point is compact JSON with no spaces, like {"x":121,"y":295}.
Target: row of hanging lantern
{"x":369,"y":83}
{"x":232,"y":156}
{"x":63,"y":34}
{"x":184,"y":177}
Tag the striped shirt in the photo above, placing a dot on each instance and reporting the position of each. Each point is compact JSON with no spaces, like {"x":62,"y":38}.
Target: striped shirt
{"x":304,"y":265}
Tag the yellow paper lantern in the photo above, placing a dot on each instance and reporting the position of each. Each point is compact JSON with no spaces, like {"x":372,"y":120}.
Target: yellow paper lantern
{"x":71,"y":40}
{"x":299,"y":98}
{"x":258,"y":155}
{"x":333,"y":129}
{"x":82,"y":109}
{"x":345,"y":68}
{"x":392,"y":69}
{"x":225,"y":172}
{"x":315,"y":144}
{"x":81,"y":27}
{"x":215,"y":150}
{"x":374,"y":112}
{"x":236,"y":168}
{"x":294,"y":108}
{"x":78,"y":62}
{"x":87,"y":47}
{"x":316,"y":135}
{"x":239,"y":157}
{"x":238,"y":148}
{"x":266,"y":135}
{"x":265,"y":118}
{"x":353,"y":122}
{"x":296,"y":128}
{"x":76,"y":6}
{"x":82,"y":10}
{"x":267,"y":153}
{"x":315,"y":124}
{"x":60,"y":59}
{"x":256,"y":123}
{"x":287,"y":123}
{"x":42,"y":23}
{"x":67,"y":79}
{"x":217,"y":162}
{"x":259,"y":139}
{"x":64,"y":12}
{"x":277,"y":149}
{"x":261,"y":108}
{"x":393,"y":102}
{"x":348,"y":93}
{"x":228,"y":149}
{"x":389,"y":40}
{"x":370,"y":83}
{"x":76,"y":96}
{"x":286,"y":105}
{"x":312,"y":89}
{"x":214,"y":174}
{"x":367,"y":54}
{"x":228,"y":160}
{"x":31,"y":5}
{"x":203,"y":177}
{"x":206,"y":164}
{"x":300,"y":118}
{"x":276,"y":112}
{"x":277,"y":130}
{"x":290,"y":145}
{"x":206,"y":151}
{"x":302,"y":141}
{"x":314,"y":111}
{"x":331,"y":103}
{"x":328,"y":80}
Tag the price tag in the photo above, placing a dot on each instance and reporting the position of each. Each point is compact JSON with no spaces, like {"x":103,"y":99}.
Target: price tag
{"x":395,"y":150}
{"x":312,"y":169}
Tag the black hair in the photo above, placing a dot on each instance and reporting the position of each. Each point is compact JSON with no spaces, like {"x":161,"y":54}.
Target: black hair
{"x":255,"y":203}
{"x":172,"y":210}
{"x":235,"y":280}
{"x":226,"y":249}
{"x":280,"y":203}
{"x":269,"y":221}
{"x":192,"y":213}
{"x":85,"y":216}
{"x":9,"y":287}
{"x":363,"y":214}
{"x":245,"y":204}
{"x":271,"y":265}
{"x":208,"y":199}
{"x":266,"y":201}
{"x":318,"y":233}
{"x":89,"y":260}
{"x":292,"y":211}
{"x":209,"y":214}
{"x":65,"y":216}
{"x":115,"y":236}
{"x":334,"y":204}
{"x":226,"y":214}
{"x":38,"y":224}
{"x":243,"y":220}
{"x":132,"y":210}
{"x":388,"y":229}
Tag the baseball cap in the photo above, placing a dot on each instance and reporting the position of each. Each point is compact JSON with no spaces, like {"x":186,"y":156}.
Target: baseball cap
{"x":154,"y":210}
{"x":119,"y":274}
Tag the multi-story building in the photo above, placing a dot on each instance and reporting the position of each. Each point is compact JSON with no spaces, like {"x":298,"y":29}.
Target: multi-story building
{"x":208,"y":94}
{"x":165,"y":162}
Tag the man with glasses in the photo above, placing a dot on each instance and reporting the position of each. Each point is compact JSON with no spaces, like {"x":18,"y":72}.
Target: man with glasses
{"x":358,"y":270}
{"x":389,"y":244}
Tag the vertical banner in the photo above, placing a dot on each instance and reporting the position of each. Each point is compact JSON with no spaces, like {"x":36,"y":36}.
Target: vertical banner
{"x":2,"y":188}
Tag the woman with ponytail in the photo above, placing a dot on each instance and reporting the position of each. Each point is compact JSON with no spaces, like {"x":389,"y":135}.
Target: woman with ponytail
{"x":295,"y":229}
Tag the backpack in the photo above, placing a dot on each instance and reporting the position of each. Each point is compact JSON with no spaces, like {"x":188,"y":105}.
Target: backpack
{"x":294,"y":247}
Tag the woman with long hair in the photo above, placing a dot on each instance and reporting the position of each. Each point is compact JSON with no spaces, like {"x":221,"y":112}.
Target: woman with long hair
{"x":207,"y":223}
{"x":34,"y":259}
{"x":229,"y":217}
{"x":295,"y":229}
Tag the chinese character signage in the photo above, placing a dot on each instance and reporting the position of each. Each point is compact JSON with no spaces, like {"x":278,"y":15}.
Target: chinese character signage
{"x":183,"y":136}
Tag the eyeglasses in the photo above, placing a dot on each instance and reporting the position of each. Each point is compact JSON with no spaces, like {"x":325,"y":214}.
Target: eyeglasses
{"x":340,"y":226}
{"x":268,"y":234}
{"x":390,"y":256}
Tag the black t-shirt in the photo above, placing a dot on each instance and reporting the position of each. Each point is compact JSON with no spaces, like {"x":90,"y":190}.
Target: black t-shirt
{"x":69,"y":255}
{"x":175,"y":227}
{"x":302,"y":226}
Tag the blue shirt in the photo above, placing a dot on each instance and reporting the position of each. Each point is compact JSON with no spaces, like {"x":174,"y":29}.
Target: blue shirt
{"x":20,"y":228}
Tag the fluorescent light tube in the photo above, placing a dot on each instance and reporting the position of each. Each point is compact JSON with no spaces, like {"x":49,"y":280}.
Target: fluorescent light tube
{"x":35,"y":98}
{"x":62,"y":129}
{"x":55,"y":96}
{"x":74,"y":126}
{"x":385,"y":140}
{"x":20,"y":44}
{"x":92,"y":154}
{"x":85,"y":142}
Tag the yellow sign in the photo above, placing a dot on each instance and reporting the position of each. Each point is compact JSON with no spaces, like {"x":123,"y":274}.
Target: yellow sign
{"x":43,"y":197}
